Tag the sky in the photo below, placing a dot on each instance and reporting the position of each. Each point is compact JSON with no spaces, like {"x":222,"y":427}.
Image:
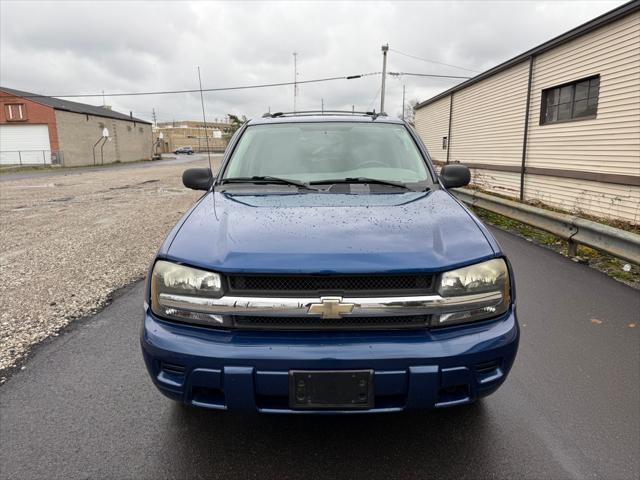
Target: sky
{"x":58,"y":48}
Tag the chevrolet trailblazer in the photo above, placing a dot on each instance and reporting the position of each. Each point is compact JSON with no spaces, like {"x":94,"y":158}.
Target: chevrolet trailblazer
{"x":328,"y":269}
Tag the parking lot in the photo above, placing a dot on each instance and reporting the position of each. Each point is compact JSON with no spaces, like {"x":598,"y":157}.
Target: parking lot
{"x":84,"y":407}
{"x":71,"y":237}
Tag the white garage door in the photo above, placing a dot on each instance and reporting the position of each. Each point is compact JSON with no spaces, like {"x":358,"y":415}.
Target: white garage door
{"x":24,"y":144}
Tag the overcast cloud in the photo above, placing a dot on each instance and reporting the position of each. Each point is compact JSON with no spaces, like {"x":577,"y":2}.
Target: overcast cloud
{"x":86,"y":47}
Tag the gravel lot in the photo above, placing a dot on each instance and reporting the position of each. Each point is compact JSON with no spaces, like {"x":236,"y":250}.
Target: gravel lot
{"x":68,"y":241}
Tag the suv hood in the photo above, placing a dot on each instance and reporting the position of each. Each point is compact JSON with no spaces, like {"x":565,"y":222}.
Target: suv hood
{"x":328,"y":233}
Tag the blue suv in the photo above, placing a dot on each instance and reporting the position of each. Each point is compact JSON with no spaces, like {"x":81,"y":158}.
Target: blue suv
{"x":327,"y":269}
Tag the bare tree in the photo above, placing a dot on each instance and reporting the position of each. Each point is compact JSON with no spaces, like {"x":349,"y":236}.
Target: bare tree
{"x":409,"y":114}
{"x":235,"y":122}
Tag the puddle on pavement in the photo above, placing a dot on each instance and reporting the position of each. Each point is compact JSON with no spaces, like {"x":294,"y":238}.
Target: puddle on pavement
{"x":42,"y":185}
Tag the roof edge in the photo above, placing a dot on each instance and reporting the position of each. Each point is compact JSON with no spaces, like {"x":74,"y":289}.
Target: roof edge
{"x":593,"y":24}
{"x":36,"y":98}
{"x":106,"y":115}
{"x":10,"y":94}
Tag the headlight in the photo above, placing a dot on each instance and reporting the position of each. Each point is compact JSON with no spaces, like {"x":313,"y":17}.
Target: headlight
{"x":181,"y":293}
{"x":482,"y":291}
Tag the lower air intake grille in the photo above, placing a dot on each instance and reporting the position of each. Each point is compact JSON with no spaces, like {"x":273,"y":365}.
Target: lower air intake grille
{"x":173,"y":369}
{"x":318,"y":323}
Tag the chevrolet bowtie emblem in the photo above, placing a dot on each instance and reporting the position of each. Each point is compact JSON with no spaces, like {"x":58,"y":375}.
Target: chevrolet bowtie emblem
{"x":330,"y":307}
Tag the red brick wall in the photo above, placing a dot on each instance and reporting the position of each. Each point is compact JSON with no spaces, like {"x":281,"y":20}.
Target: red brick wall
{"x":36,"y":114}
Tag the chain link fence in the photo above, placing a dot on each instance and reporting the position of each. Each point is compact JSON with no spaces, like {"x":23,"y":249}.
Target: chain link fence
{"x":16,"y":158}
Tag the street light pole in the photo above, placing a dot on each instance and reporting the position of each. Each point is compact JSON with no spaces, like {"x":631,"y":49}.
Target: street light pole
{"x":385,"y":49}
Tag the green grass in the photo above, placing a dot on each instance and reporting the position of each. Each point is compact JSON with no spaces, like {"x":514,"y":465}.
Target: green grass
{"x":29,"y":168}
{"x":58,"y":168}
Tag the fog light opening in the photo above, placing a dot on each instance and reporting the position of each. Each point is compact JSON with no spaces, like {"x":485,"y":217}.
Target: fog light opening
{"x":453,"y":394}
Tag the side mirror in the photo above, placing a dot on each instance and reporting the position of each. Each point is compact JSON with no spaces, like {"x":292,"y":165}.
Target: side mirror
{"x":197,"y":178}
{"x":455,"y":175}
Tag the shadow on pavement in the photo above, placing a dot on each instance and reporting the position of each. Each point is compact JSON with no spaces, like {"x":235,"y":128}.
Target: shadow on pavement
{"x":383,"y":445}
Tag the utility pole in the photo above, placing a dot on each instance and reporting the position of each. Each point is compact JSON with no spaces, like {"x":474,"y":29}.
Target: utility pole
{"x":403,"y":89}
{"x":153,"y":112}
{"x":322,"y":105}
{"x":385,"y":49}
{"x":295,"y":79}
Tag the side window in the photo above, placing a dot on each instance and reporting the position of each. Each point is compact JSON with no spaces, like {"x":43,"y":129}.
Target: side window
{"x":572,"y":101}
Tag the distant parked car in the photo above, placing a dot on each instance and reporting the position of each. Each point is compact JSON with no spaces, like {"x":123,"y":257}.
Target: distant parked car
{"x":187,"y":150}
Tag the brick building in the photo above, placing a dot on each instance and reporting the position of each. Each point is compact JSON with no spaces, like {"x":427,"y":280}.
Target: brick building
{"x":36,"y":130}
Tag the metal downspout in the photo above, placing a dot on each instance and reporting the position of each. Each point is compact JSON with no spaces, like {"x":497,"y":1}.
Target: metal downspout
{"x":94,"y":149}
{"x":526,"y":129}
{"x":449,"y":132}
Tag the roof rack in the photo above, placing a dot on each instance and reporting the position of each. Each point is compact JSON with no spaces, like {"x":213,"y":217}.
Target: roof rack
{"x":372,"y":114}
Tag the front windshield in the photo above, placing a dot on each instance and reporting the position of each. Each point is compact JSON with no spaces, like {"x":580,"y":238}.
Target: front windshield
{"x":313,"y":152}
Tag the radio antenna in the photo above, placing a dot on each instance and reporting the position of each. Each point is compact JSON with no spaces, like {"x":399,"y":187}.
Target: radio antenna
{"x":204,"y":119}
{"x":295,"y":79}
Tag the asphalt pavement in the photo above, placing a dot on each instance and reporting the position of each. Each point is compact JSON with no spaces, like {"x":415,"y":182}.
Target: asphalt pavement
{"x":84,"y":406}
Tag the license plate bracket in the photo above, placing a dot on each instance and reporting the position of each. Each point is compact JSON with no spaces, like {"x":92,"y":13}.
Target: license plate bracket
{"x":331,"y":389}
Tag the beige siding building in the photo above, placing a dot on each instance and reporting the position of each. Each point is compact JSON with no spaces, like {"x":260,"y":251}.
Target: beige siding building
{"x":432,"y":123}
{"x":559,"y":124}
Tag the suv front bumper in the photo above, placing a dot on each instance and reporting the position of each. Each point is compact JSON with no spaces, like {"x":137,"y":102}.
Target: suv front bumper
{"x":249,"y":370}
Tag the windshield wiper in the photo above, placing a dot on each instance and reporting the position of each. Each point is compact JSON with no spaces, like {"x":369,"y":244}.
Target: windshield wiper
{"x":267,"y":179}
{"x":362,"y":180}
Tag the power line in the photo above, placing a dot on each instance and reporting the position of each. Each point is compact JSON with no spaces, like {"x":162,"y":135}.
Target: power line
{"x":427,"y":75}
{"x":219,"y":89}
{"x":432,"y":61}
